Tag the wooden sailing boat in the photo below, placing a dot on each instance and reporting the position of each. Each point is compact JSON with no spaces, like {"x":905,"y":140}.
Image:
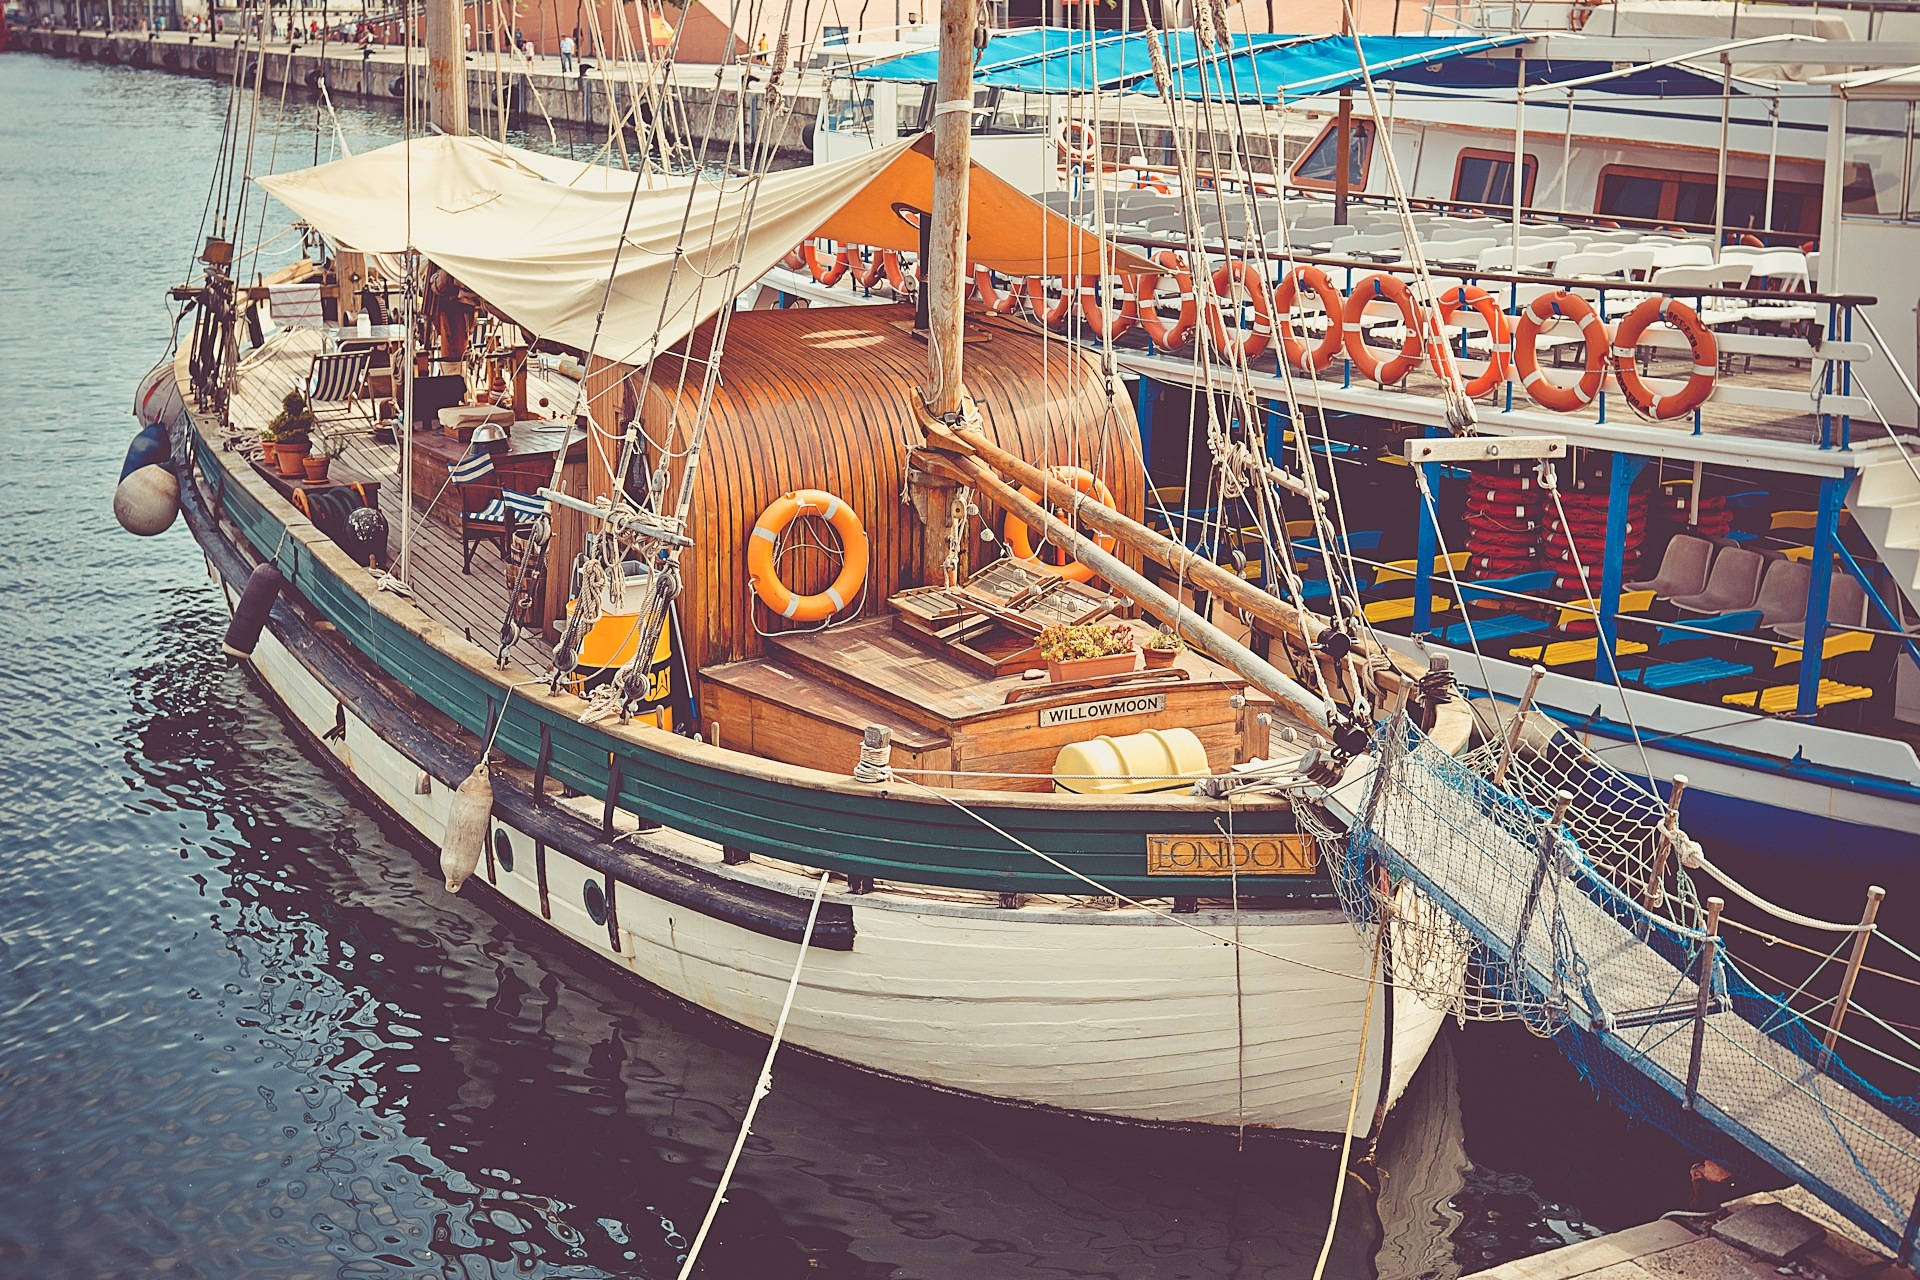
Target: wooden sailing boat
{"x":1003,"y":919}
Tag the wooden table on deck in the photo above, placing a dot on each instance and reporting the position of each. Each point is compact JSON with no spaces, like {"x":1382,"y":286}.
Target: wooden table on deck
{"x":526,"y":464}
{"x":809,"y":699}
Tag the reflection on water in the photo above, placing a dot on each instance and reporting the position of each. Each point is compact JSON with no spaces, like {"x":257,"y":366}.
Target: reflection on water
{"x":243,"y":1032}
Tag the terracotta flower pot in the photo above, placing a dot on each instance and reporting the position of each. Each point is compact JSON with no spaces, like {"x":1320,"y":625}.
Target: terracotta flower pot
{"x":316,"y":468}
{"x":291,"y":463}
{"x":270,"y":452}
{"x":1111,"y":664}
{"x":1159,"y":657}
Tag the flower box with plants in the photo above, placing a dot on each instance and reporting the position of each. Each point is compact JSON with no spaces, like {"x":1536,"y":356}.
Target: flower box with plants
{"x":326,"y":448}
{"x":287,"y":439}
{"x":1162,"y":647}
{"x":1081,"y":652}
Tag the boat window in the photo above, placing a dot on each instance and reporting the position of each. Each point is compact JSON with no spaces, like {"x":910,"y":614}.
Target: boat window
{"x":849,"y":106}
{"x":1316,"y":167}
{"x":1486,"y":177}
{"x":1879,"y":148}
{"x":1626,"y":194}
{"x":1010,"y":111}
{"x":1627,"y":191}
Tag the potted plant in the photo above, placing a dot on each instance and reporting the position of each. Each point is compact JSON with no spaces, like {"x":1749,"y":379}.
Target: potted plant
{"x":292,"y":429}
{"x":269,"y":445}
{"x":330,"y":446}
{"x":1162,"y":647}
{"x":1088,"y":650}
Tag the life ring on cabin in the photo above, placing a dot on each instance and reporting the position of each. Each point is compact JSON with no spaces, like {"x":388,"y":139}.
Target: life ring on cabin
{"x":1706,"y":359}
{"x":1164,"y":335}
{"x":990,"y":297}
{"x":1049,"y":312}
{"x":864,"y":263}
{"x":793,"y":261}
{"x":1078,"y":143}
{"x":1147,"y":180}
{"x":1526,"y":361}
{"x":1020,"y":542}
{"x":1481,"y":303}
{"x":1314,"y":281}
{"x":826,"y":271}
{"x":765,"y":576}
{"x":1254,"y":340}
{"x":1100,"y":322}
{"x":1392,"y":370}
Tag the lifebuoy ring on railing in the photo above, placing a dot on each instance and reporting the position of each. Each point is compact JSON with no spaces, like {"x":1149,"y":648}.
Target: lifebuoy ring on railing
{"x":1020,"y":542}
{"x":1481,"y":303}
{"x":1526,"y":361}
{"x":1164,"y":335}
{"x":826,"y":270}
{"x":794,"y":261}
{"x":1253,"y":341}
{"x":764,"y":575}
{"x":1051,"y":312}
{"x":1078,"y":143}
{"x":1373,"y":369}
{"x":990,"y":296}
{"x":864,"y":263}
{"x":1314,"y":281}
{"x":1706,"y":359}
{"x":1102,"y":323}
{"x":899,"y":277}
{"x":1147,"y":180}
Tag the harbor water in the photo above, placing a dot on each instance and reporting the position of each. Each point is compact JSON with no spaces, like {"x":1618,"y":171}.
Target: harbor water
{"x":244,"y":1032}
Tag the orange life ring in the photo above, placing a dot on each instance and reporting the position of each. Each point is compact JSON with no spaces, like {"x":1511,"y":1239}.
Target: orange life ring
{"x":898,"y":277}
{"x":1706,"y":359}
{"x":1020,"y":542}
{"x":1481,"y":303}
{"x":1100,"y":322}
{"x":1315,"y":281}
{"x":794,"y":261}
{"x":765,"y":576}
{"x":1147,"y":180}
{"x":1392,"y":370}
{"x":1253,"y":341}
{"x":1165,"y":336}
{"x":865,"y":263}
{"x":990,"y":297}
{"x":1051,"y":313}
{"x":1078,"y":143}
{"x":824,"y":269}
{"x":1526,"y":362}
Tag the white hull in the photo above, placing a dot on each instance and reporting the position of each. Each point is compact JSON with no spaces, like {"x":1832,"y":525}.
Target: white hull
{"x":1117,"y":1013}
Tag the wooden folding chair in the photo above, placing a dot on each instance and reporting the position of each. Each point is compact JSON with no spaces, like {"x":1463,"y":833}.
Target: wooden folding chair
{"x":339,"y":379}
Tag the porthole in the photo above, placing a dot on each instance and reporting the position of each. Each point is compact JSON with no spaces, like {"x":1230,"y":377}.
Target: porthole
{"x":502,"y":849}
{"x":596,"y":900}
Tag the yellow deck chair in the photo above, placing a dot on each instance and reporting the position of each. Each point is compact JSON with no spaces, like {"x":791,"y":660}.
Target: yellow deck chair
{"x":1400,"y":610}
{"x":1837,"y":644}
{"x":1565,"y":652}
{"x":1780,"y":699}
{"x":1394,"y":570}
{"x":1586,"y":610}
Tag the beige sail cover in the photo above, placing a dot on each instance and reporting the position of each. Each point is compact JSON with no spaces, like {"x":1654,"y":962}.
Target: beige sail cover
{"x":539,"y":237}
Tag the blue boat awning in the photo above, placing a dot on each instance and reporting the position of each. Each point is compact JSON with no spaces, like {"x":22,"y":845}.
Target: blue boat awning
{"x":1307,"y":67}
{"x":1065,"y":61}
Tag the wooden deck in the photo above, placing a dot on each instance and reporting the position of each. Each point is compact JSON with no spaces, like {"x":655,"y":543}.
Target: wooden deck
{"x":474,"y":603}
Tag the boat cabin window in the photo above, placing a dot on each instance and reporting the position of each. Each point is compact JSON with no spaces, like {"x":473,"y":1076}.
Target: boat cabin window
{"x":848,"y":106}
{"x":1316,"y":168}
{"x":1663,"y":195}
{"x":1880,"y":177}
{"x":1009,"y":111}
{"x":1486,"y":177}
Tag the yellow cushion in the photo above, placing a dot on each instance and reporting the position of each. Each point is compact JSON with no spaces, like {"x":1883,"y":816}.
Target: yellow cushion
{"x":1562,"y":652}
{"x":1782,"y":698}
{"x":1576,"y":610}
{"x":1837,"y":643}
{"x":1395,"y":570}
{"x":1399,"y":610}
{"x":1797,"y":553}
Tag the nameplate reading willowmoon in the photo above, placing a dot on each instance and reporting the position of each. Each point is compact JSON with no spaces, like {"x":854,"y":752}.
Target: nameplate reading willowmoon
{"x":1280,"y":855}
{"x":1137,"y":705}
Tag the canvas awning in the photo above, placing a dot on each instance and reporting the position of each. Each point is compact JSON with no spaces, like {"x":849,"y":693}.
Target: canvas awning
{"x":1305,"y":68}
{"x":507,"y":224}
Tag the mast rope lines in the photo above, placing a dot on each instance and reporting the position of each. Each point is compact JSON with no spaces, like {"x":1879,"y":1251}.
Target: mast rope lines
{"x":1549,"y":897}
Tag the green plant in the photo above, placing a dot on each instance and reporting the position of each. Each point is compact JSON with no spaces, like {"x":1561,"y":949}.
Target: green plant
{"x":1164,"y":641}
{"x":1092,"y":640}
{"x":293,"y":422}
{"x":332,"y":445}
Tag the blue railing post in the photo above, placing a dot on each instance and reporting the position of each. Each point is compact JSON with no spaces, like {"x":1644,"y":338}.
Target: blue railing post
{"x":1833,"y":493}
{"x":1846,"y":379}
{"x":1276,"y":435}
{"x":1429,"y":546}
{"x":1144,"y":397}
{"x":1613,"y":562}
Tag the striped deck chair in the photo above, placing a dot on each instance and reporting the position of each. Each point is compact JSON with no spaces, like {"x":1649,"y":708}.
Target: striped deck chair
{"x":489,"y":512}
{"x":340,"y":380}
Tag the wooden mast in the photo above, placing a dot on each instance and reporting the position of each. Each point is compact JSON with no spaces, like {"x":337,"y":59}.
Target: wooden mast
{"x":947,"y":244}
{"x":446,"y":67}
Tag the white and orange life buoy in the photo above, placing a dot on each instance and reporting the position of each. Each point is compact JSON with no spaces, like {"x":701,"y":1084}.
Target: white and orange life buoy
{"x":1371,"y":367}
{"x":1148,"y":180}
{"x":764,"y":575}
{"x":1481,"y":303}
{"x":1314,"y":281}
{"x":794,"y":261}
{"x":1232,"y":277}
{"x":826,"y":268}
{"x":1706,"y":359}
{"x":1020,"y":540}
{"x":1542,"y":390}
{"x":1078,"y":143}
{"x":1049,"y":310}
{"x":990,"y":294}
{"x":1095,"y":294}
{"x":865,"y":263}
{"x":900,"y":276}
{"x":1164,"y":334}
